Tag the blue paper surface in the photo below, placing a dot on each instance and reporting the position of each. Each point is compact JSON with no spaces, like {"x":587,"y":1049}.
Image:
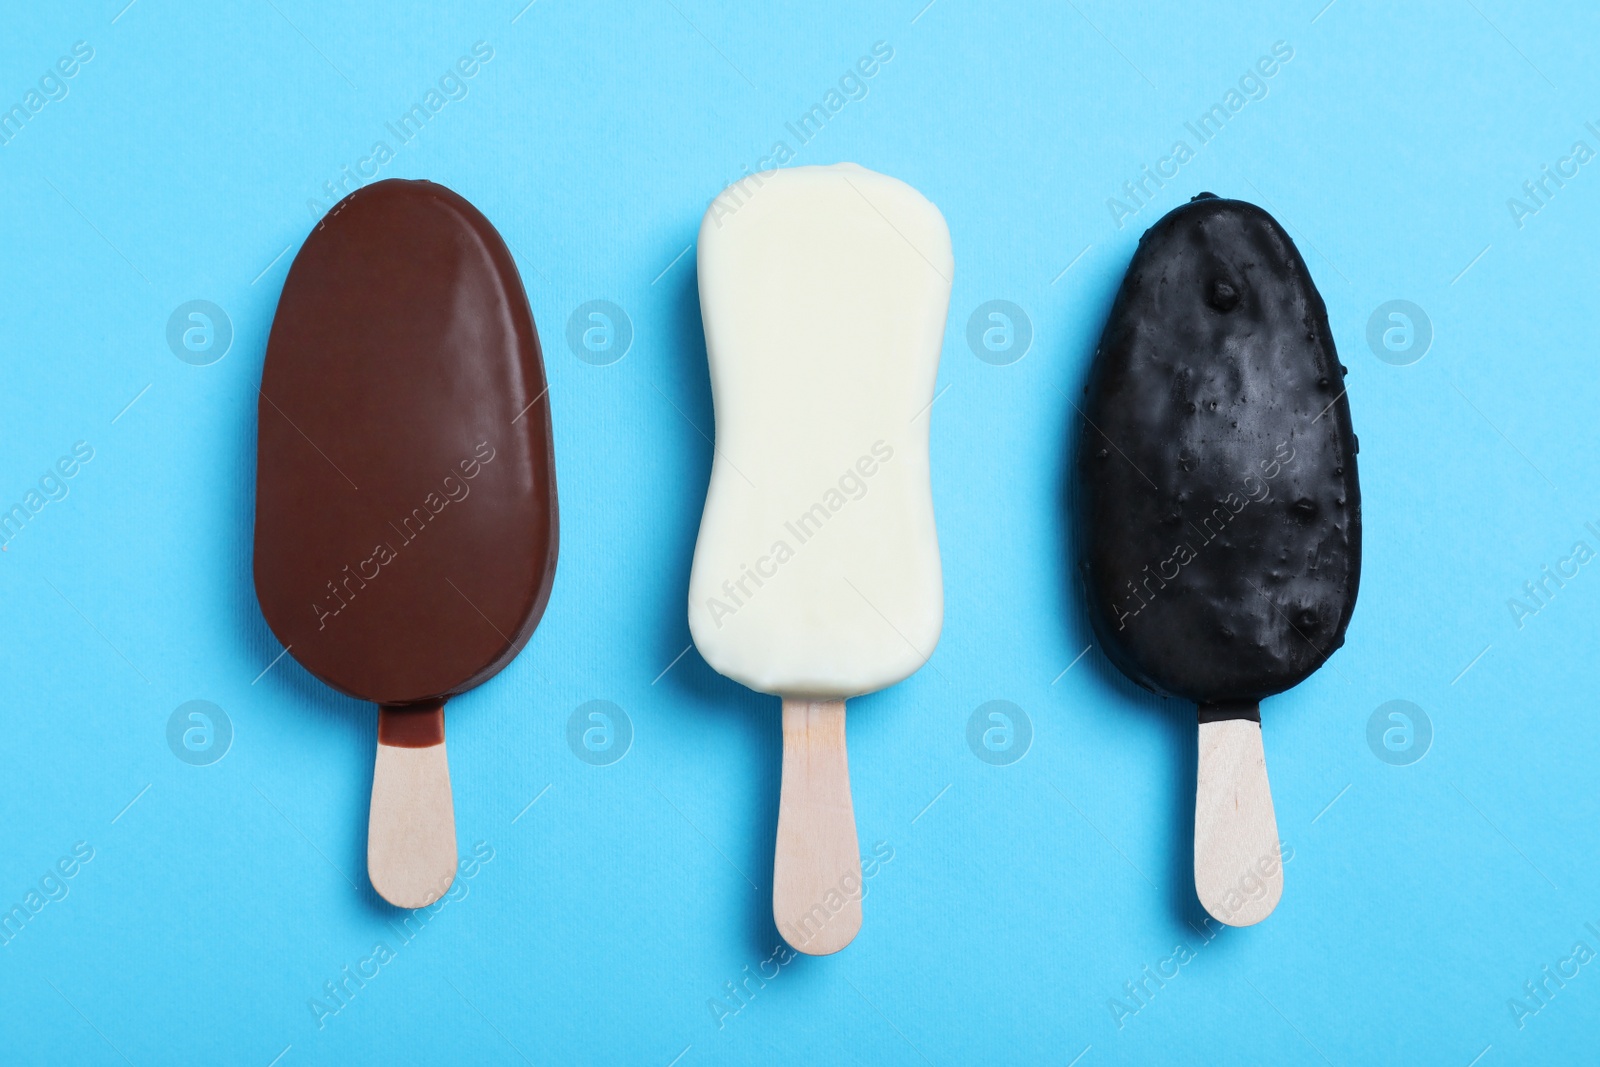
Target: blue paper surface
{"x":1033,"y":909}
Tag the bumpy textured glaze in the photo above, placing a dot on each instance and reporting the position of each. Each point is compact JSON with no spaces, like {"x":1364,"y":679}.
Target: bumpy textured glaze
{"x":406,"y":523}
{"x":1221,"y":515}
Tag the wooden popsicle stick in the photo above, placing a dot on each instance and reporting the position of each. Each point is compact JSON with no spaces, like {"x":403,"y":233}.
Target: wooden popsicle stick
{"x":411,"y":832}
{"x":1238,"y":873}
{"x":816,"y":876}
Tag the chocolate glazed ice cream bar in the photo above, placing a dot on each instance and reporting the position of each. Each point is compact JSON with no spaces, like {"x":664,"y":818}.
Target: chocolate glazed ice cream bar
{"x":406,"y":527}
{"x":816,"y":575}
{"x":1220,"y":511}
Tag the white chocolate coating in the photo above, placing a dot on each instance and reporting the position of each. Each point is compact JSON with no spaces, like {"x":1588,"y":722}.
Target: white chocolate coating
{"x":824,"y":292}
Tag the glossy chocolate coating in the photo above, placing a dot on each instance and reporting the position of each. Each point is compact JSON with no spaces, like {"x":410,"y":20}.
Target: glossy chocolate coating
{"x":1221,"y":515}
{"x":406,"y":524}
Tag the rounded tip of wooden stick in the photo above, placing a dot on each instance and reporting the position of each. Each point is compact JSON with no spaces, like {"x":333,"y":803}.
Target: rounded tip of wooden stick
{"x":1238,"y":869}
{"x":817,"y":931}
{"x":411,"y":892}
{"x":1230,"y":908}
{"x":816,"y":883}
{"x":411,"y":835}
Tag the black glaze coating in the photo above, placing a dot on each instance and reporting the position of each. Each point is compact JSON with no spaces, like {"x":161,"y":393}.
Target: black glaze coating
{"x":1221,"y":536}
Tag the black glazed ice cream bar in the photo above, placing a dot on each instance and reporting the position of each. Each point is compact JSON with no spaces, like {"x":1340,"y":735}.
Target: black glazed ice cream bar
{"x":1220,"y":509}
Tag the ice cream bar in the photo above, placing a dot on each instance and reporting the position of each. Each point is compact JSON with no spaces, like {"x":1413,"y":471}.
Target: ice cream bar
{"x":406,"y":526}
{"x":816,"y":574}
{"x":1219,"y":507}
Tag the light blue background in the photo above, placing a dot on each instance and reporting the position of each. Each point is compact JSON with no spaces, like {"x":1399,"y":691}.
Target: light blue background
{"x":1018,"y":904}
